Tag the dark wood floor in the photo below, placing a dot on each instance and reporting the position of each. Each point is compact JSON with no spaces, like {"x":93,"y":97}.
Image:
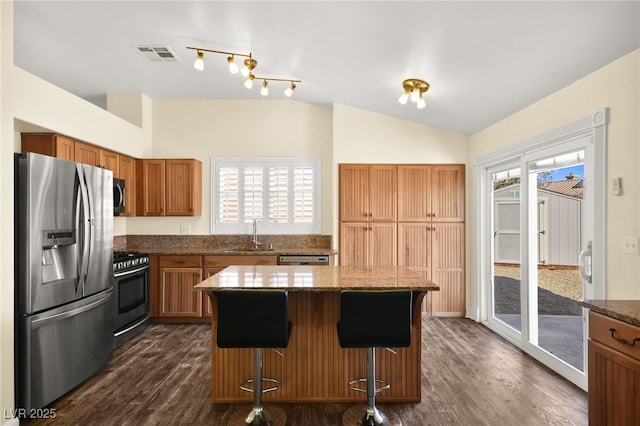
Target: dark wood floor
{"x":470,"y":377}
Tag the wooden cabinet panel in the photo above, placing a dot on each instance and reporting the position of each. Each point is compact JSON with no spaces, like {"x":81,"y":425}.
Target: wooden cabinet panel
{"x":368,"y":244}
{"x":382,"y":245}
{"x":354,"y":192}
{"x":222,"y":262}
{"x":127,"y":172}
{"x":614,"y":387}
{"x":207,"y":308}
{"x":447,"y":263}
{"x":184,"y":187}
{"x":414,"y":196}
{"x":87,"y":154}
{"x":169,"y":187}
{"x":354,"y":243}
{"x":368,"y":192}
{"x":177,"y":298}
{"x":110,"y":160}
{"x":414,"y":247}
{"x":447,"y":193}
{"x":49,"y":144}
{"x":150,"y":187}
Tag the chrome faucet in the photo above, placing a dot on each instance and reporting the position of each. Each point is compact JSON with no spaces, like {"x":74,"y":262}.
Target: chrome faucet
{"x":254,"y":237}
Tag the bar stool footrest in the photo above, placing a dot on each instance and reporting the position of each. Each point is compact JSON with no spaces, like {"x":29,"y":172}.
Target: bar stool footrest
{"x":354,"y":382}
{"x":245,"y":388}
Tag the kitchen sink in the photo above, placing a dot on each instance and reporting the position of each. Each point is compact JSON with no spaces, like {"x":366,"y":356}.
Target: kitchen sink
{"x":243,"y":250}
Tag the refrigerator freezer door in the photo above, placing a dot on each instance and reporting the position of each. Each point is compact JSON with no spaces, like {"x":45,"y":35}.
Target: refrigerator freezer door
{"x":99,"y":188}
{"x":65,"y":346}
{"x":46,"y":247}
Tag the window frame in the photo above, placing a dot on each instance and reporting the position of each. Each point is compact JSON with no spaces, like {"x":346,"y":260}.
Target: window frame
{"x":266,"y":226}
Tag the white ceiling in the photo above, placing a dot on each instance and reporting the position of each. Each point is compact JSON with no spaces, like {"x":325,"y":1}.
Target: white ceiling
{"x":484,"y":60}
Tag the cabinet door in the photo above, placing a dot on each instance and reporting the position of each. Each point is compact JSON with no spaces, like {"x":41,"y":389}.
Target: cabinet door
{"x":383,"y":192}
{"x":382,"y":245}
{"x":150,"y":190}
{"x":354,"y":192}
{"x":414,"y":193}
{"x":414,"y":252}
{"x":354,"y":243}
{"x":183,"y":188}
{"x":177,"y":297}
{"x":447,"y":269}
{"x":447,"y":193}
{"x":86,"y":154}
{"x":110,"y":161}
{"x":48,"y":144}
{"x":614,"y":387}
{"x":127,"y":171}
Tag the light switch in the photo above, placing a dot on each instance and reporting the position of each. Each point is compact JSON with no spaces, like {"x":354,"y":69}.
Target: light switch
{"x":630,"y":245}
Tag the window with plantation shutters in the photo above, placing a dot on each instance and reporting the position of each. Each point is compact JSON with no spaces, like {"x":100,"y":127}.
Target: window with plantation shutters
{"x":281,"y":194}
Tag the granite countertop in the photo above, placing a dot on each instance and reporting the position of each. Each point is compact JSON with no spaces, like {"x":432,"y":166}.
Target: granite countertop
{"x":623,"y":310}
{"x":317,"y":278}
{"x":203,"y":251}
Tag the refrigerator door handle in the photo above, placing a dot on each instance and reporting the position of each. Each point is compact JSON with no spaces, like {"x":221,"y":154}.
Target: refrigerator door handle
{"x":41,"y":322}
{"x":85,"y":229}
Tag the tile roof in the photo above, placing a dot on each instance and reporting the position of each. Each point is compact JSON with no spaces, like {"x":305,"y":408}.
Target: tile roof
{"x":570,"y":187}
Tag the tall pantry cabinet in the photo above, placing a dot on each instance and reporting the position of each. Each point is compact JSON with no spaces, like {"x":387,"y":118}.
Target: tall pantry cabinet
{"x":428,"y":224}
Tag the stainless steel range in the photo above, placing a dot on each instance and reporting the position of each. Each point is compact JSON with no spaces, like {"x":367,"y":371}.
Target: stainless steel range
{"x":131,"y":295}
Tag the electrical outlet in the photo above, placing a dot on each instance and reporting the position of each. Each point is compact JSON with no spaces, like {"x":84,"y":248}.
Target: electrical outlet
{"x":185,"y":229}
{"x":630,"y":245}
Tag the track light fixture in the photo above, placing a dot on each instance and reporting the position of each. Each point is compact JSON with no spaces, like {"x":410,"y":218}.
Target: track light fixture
{"x":414,"y":89}
{"x":247,"y":71}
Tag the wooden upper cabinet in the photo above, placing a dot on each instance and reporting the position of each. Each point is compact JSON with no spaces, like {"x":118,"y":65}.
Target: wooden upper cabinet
{"x":170,"y":187}
{"x":110,"y":160}
{"x":150,"y":188}
{"x":184,"y":187}
{"x":368,"y":192}
{"x":414,"y":194}
{"x":87,"y":154}
{"x":127,"y":172}
{"x":49,"y":144}
{"x":431,"y":193}
{"x":447,"y":193}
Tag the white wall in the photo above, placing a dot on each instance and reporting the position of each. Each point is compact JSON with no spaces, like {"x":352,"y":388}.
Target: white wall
{"x":201,"y":129}
{"x":617,"y":87}
{"x":6,"y":213}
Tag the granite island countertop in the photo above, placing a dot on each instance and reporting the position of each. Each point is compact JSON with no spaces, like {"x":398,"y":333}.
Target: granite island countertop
{"x":317,"y":278}
{"x":623,"y":310}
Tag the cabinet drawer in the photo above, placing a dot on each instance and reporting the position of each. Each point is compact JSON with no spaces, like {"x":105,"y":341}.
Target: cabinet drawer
{"x":611,"y":332}
{"x":180,"y":261}
{"x":224,"y":261}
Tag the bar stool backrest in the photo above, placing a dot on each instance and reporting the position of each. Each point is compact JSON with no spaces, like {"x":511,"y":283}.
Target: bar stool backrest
{"x":252,"y":319}
{"x":375,"y":319}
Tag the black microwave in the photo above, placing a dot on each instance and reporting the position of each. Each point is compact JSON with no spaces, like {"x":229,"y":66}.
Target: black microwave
{"x":118,"y":196}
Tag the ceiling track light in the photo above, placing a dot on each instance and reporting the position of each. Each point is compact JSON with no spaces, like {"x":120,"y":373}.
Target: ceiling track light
{"x":414,"y":89}
{"x":249,"y":65}
{"x":233,"y":67}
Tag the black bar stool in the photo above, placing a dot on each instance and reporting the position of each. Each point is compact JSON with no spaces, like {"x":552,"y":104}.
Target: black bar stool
{"x":255,"y":319}
{"x":373,"y":319}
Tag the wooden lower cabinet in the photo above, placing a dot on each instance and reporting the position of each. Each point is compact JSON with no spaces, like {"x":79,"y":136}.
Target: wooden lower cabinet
{"x":614,"y":372}
{"x":176,"y":298}
{"x":436,"y":251}
{"x":173,"y":277}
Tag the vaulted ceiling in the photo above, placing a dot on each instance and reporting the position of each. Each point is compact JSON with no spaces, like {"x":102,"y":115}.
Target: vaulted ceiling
{"x":483,"y":60}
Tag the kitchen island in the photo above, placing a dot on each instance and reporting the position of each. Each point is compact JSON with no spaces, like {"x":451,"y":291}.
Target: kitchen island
{"x":314,"y":367}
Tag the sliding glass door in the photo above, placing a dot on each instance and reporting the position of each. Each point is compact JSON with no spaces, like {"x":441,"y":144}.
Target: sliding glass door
{"x":537,"y":223}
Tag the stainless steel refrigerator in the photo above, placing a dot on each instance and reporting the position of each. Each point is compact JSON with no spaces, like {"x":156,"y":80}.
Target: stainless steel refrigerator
{"x":63,"y":276}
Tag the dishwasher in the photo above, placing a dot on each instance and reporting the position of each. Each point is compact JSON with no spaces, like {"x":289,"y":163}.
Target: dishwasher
{"x":303,"y":259}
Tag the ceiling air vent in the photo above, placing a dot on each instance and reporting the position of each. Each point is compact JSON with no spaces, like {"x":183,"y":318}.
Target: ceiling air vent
{"x":157,"y":53}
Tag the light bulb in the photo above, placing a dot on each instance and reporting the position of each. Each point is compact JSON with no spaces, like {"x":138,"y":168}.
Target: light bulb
{"x":233,"y":67}
{"x":421,"y":103}
{"x":415,"y":95}
{"x":245,"y":71}
{"x":199,"y":63}
{"x":404,"y":97}
{"x":289,"y":90}
{"x":265,"y":88}
{"x":249,"y":83}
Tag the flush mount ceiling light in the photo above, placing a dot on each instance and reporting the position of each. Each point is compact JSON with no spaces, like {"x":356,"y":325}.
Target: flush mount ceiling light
{"x":249,"y":65}
{"x":414,"y":89}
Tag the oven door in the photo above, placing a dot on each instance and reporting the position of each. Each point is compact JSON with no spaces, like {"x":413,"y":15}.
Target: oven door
{"x":131,"y":296}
